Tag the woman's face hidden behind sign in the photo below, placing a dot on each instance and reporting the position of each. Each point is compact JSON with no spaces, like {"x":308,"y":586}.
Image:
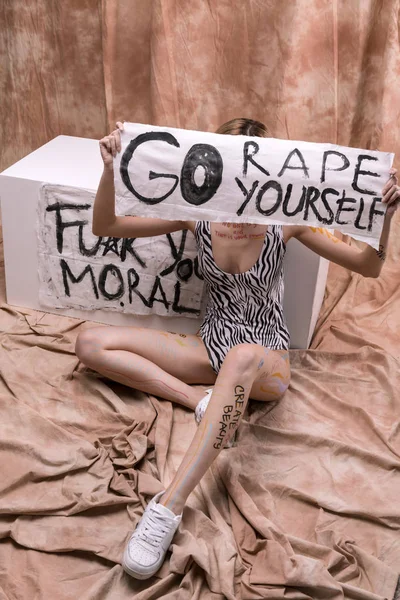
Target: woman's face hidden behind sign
{"x":243,"y":126}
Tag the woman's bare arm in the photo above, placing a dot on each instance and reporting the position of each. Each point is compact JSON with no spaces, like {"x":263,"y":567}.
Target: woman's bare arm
{"x":367,"y":262}
{"x":105,"y":221}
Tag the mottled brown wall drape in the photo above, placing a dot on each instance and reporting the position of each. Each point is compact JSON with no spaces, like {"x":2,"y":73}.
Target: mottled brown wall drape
{"x":306,"y":506}
{"x":317,"y":70}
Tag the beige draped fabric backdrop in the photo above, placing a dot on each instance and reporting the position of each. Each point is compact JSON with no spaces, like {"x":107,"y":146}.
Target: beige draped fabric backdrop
{"x":306,"y":506}
{"x":315,"y":70}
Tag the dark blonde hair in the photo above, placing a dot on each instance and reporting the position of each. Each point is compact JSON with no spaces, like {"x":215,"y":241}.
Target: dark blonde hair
{"x":244,"y":127}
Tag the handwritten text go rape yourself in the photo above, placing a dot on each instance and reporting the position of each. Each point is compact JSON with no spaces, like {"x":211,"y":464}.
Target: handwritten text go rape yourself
{"x":326,"y":205}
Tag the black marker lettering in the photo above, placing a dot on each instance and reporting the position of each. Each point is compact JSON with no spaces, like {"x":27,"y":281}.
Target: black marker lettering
{"x":60,"y":225}
{"x":158,"y":287}
{"x":326,"y":204}
{"x":302,"y":167}
{"x":133,"y":282}
{"x":341,"y":209}
{"x":222,"y":429}
{"x":184,"y":270}
{"x":82,"y":248}
{"x":345,"y":165}
{"x":381,"y":253}
{"x":161,"y":136}
{"x":373,"y":212}
{"x":235,"y":419}
{"x":288,"y":195}
{"x":358,"y":218}
{"x":358,"y":171}
{"x":177,"y":307}
{"x":176,"y":254}
{"x":311,"y":197}
{"x":111,"y":245}
{"x":247,"y":157}
{"x":269,"y":185}
{"x":209,"y":158}
{"x":66,"y":271}
{"x":127,"y":248}
{"x":247,"y":194}
{"x":113,"y":269}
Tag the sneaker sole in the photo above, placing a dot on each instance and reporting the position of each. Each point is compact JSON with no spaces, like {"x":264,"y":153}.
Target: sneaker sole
{"x":137,"y":575}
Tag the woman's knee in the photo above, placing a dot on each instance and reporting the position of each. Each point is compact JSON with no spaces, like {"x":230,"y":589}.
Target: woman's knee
{"x":274,"y":380}
{"x":243,"y":357}
{"x":88,"y":345}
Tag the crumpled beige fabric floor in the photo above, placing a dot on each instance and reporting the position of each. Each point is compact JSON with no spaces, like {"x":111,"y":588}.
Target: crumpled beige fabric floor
{"x":306,"y":506}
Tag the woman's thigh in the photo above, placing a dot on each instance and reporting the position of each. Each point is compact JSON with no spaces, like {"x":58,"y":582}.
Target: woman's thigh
{"x":182,"y":355}
{"x":273,"y":375}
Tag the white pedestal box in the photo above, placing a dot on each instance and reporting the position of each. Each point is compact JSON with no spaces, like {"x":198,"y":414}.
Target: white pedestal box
{"x":76,"y":162}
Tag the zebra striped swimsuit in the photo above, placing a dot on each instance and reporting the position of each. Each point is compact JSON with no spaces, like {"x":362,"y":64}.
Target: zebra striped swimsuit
{"x":243,"y":307}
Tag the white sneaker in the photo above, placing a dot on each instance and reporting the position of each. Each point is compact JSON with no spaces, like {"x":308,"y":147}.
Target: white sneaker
{"x":202,"y":406}
{"x":146,"y":549}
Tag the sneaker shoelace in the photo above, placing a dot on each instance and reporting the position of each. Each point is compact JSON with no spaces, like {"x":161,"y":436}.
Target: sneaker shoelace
{"x":153,"y":531}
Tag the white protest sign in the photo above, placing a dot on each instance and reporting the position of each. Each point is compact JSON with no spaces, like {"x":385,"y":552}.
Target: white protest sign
{"x":155,"y":275}
{"x":177,"y":174}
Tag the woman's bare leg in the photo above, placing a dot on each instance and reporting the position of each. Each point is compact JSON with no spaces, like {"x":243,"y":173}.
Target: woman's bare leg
{"x":248,"y":369}
{"x":156,"y":362}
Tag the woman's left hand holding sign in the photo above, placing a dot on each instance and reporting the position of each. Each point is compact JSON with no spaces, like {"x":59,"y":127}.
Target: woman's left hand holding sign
{"x":110,"y":145}
{"x":391,"y":194}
